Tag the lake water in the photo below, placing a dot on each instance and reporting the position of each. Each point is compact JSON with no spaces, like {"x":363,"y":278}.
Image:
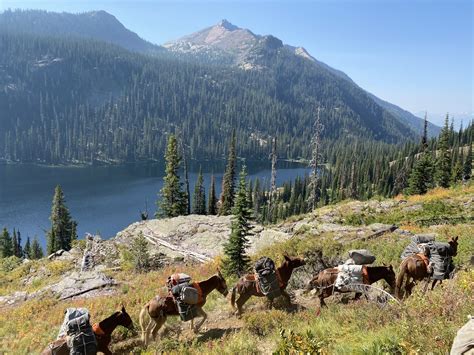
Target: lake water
{"x":102,"y":200}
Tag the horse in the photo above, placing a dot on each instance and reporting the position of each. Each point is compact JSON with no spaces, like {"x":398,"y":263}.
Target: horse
{"x":415,"y":267}
{"x":247,"y":286}
{"x":325,"y":280}
{"x":102,"y":331}
{"x":159,"y":308}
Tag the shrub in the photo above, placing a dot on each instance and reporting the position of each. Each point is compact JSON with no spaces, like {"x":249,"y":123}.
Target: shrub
{"x":262,"y":324}
{"x":295,"y":343}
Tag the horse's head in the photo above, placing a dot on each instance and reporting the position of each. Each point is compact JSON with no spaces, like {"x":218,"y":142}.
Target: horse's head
{"x":293,"y":263}
{"x":124,"y":319}
{"x":390,"y":276}
{"x":222,"y":284}
{"x":453,"y":243}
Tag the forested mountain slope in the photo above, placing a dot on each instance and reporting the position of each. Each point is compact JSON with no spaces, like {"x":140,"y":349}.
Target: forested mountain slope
{"x":72,"y":100}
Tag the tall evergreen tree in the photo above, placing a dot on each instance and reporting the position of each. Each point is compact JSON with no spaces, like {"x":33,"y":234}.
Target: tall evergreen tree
{"x":467,"y":166}
{"x":421,"y":177}
{"x":19,"y":248}
{"x":212,"y":203}
{"x":173,"y":200}
{"x":236,"y":260}
{"x":27,"y":249}
{"x":6,"y":244}
{"x":228,"y":183}
{"x":14,"y":242}
{"x":36,"y":250}
{"x":63,"y":227}
{"x":443,"y":163}
{"x":199,"y":197}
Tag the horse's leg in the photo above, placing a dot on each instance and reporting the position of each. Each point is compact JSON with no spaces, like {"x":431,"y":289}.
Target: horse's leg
{"x":287,"y":297}
{"x":434,"y":284}
{"x":203,"y":314}
{"x":427,"y":283}
{"x":408,"y":286}
{"x":241,"y":301}
{"x":321,"y":300}
{"x":158,"y":324}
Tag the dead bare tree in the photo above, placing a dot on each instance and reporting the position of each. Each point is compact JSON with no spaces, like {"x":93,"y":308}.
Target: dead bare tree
{"x":315,"y":161}
{"x":273,"y":188}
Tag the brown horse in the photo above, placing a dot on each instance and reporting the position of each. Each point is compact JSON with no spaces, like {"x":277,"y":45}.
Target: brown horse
{"x":102,"y":331}
{"x":325,"y":280}
{"x":415,"y":268}
{"x":247,"y":286}
{"x":159,"y":308}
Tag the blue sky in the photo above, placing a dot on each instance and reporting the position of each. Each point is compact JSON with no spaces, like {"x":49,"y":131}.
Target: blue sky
{"x":417,"y":54}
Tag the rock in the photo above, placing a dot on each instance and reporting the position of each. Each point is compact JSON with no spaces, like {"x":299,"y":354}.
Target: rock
{"x":80,"y":283}
{"x":412,"y":208}
{"x":15,"y":298}
{"x":377,"y":227}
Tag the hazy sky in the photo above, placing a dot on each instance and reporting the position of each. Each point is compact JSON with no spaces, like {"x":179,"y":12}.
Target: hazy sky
{"x":417,"y":54}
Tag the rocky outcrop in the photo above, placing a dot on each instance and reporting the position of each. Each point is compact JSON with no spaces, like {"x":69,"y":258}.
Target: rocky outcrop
{"x":195,"y":237}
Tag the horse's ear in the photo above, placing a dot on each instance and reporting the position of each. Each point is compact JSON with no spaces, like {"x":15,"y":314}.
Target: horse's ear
{"x":456,"y":238}
{"x":287,"y":258}
{"x":122,"y":308}
{"x":219,"y":272}
{"x":390,"y":267}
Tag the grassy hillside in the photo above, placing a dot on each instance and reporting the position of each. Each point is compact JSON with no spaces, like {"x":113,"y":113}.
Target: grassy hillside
{"x":422,"y":324}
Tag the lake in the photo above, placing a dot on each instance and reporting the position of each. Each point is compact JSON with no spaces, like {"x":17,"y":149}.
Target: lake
{"x":102,"y":199}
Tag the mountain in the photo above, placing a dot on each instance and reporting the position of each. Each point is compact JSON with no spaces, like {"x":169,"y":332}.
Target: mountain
{"x":75,"y":99}
{"x":226,"y":43}
{"x":99,"y":25}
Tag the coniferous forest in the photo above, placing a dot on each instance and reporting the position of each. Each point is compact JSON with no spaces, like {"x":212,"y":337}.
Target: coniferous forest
{"x":66,"y":100}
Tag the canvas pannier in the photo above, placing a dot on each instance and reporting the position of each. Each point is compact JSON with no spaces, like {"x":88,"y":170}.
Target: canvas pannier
{"x":361,"y":256}
{"x":186,"y":293}
{"x":78,"y":331}
{"x":267,"y":278}
{"x":177,"y":279}
{"x":186,"y":311}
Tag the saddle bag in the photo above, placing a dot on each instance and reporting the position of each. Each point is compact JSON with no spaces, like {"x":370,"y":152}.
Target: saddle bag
{"x":80,"y":337}
{"x":361,"y":256}
{"x":267,"y":278}
{"x":186,"y":311}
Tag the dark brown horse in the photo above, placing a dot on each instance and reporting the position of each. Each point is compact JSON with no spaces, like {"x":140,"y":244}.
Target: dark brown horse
{"x":102,"y":331}
{"x":247,"y":286}
{"x":155,"y":312}
{"x":325,"y":280}
{"x":415,"y":268}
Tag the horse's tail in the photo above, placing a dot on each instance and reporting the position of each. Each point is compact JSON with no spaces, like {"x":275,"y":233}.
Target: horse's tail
{"x":400,"y":277}
{"x":144,"y":315}
{"x":234,"y":294}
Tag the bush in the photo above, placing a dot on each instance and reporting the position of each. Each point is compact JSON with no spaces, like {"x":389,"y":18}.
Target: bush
{"x":140,"y":254}
{"x":294,"y":343}
{"x":9,"y":263}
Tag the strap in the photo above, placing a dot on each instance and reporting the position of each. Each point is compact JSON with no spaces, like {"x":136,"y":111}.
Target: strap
{"x":424,"y":259}
{"x":365,"y":275}
{"x":199,"y":290}
{"x":97,"y":329}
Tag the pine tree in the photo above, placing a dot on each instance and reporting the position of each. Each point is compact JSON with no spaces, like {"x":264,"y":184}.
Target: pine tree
{"x":36,"y":251}
{"x":6,"y":244}
{"x":443,"y":163}
{"x":236,"y":261}
{"x":173,"y":200}
{"x":421,"y":177}
{"x":227,"y":195}
{"x":199,"y":197}
{"x":14,"y":243}
{"x":467,"y":166}
{"x":140,"y":254}
{"x":63,"y":227}
{"x":27,"y":249}
{"x":19,"y":248}
{"x":212,"y":203}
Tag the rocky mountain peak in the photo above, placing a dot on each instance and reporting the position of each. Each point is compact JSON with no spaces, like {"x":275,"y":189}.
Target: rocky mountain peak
{"x":227,"y":25}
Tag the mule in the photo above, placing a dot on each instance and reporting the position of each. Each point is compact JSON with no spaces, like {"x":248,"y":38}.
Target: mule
{"x":159,"y":308}
{"x":247,"y":286}
{"x":415,"y":268}
{"x":102,"y":331}
{"x":325,"y":280}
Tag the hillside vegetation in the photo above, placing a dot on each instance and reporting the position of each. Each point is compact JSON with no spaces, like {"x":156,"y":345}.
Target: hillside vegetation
{"x":424,"y":323}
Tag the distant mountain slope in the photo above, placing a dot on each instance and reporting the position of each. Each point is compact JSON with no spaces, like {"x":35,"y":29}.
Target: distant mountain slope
{"x":227,"y":44}
{"x":69,"y":100}
{"x":99,"y":25}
